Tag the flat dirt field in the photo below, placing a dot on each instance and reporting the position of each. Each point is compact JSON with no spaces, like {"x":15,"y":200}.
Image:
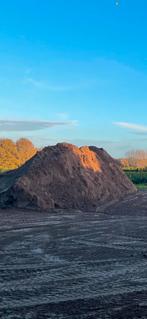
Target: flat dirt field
{"x":75,"y":265}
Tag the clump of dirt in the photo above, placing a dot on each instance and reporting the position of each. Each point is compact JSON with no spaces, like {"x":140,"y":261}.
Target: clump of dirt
{"x":65,"y":176}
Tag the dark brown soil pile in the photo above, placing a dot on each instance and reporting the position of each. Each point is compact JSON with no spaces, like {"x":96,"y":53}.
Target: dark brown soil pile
{"x":65,"y":176}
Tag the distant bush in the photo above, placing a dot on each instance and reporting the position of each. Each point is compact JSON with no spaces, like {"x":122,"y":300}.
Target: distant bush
{"x":138,"y":176}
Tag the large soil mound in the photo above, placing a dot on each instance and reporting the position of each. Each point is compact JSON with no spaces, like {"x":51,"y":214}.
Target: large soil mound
{"x":65,"y":176}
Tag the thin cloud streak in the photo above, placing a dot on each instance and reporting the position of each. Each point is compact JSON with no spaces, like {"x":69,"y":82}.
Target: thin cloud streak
{"x":15,"y":126}
{"x":60,"y":88}
{"x":136,"y":128}
{"x":46,"y":86}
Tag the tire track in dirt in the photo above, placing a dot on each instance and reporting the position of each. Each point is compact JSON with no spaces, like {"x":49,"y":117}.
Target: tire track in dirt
{"x":84,"y":265}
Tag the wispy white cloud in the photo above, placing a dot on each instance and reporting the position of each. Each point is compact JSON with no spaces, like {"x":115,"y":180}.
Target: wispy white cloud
{"x":46,"y":86}
{"x":136,"y":128}
{"x":13,"y":126}
{"x":42,"y":85}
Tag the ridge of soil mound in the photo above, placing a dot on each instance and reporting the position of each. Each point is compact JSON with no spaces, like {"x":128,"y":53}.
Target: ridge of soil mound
{"x":65,"y":176}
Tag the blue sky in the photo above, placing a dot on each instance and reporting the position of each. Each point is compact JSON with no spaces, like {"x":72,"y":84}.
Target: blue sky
{"x":74,"y":71}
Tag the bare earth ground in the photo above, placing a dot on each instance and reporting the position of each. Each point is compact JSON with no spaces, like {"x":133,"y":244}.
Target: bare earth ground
{"x":75,"y":265}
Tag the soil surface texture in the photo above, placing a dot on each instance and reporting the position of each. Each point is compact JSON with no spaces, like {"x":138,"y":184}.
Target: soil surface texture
{"x":75,"y":265}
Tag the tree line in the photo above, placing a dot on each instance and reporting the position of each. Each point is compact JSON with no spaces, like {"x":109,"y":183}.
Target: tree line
{"x":15,"y":154}
{"x":135,"y":159}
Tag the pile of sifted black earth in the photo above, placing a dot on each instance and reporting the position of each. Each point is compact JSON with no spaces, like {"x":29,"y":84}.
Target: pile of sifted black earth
{"x":65,"y":176}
